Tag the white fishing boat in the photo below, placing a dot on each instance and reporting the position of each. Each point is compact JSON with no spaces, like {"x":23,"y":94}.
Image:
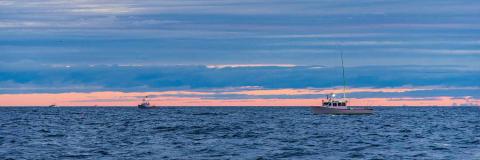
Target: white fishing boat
{"x":332,"y":105}
{"x":339,"y":106}
{"x":145,"y":104}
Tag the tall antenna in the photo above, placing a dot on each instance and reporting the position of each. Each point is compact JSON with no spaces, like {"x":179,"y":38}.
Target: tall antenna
{"x":343,"y":75}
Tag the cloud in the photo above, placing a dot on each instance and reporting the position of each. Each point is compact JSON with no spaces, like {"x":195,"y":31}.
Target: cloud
{"x":133,"y":98}
{"x":153,"y":78}
{"x":239,"y":32}
{"x":378,"y":43}
{"x":220,"y":66}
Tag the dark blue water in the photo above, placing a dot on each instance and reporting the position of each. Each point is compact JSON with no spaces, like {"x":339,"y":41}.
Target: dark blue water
{"x":238,"y":133}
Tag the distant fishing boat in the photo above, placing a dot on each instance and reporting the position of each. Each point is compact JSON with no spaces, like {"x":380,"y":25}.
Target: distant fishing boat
{"x":339,"y":106}
{"x":146,"y":104}
{"x":53,"y":105}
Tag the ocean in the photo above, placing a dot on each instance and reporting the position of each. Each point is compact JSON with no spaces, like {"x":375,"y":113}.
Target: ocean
{"x":238,"y":133}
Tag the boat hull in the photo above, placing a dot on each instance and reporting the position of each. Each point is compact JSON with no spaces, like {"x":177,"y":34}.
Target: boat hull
{"x":340,"y":111}
{"x":146,"y":107}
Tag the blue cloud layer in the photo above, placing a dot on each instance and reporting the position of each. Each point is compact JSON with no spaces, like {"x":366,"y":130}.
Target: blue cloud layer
{"x":155,"y":78}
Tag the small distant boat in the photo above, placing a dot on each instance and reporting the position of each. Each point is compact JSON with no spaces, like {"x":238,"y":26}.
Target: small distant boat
{"x":53,"y":105}
{"x":146,"y":104}
{"x":334,"y":106}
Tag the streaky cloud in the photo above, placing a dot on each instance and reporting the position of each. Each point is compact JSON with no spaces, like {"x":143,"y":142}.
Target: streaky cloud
{"x":68,"y":78}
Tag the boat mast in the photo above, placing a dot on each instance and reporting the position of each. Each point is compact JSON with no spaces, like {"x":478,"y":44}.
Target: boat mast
{"x":343,"y":76}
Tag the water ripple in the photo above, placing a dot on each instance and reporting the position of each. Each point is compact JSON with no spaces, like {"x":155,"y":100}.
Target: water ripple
{"x":238,"y":133}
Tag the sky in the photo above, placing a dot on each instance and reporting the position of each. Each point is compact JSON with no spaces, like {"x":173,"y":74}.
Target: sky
{"x":231,"y":52}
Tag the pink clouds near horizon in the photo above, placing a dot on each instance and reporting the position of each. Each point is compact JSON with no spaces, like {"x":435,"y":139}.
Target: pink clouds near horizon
{"x":195,"y":98}
{"x":321,"y":91}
